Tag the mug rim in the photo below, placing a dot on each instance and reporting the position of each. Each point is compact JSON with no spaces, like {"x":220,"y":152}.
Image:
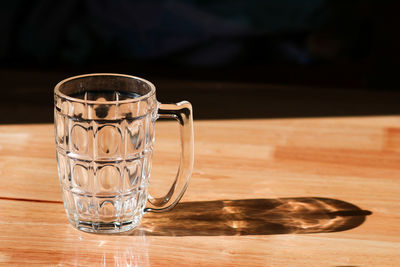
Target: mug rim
{"x":58,"y":92}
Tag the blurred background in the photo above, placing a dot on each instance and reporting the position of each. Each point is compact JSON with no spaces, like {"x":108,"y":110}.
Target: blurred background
{"x":230,"y":58}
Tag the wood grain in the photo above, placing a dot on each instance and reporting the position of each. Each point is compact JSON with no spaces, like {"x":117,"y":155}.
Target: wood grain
{"x":276,"y":192}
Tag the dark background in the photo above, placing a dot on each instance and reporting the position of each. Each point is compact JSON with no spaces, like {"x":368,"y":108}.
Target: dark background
{"x":231,"y":59}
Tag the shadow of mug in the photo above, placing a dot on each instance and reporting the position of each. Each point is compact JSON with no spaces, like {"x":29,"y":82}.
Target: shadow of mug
{"x":253,"y":217}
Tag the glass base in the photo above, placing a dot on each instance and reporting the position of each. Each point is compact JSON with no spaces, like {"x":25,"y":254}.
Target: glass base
{"x":105,"y":227}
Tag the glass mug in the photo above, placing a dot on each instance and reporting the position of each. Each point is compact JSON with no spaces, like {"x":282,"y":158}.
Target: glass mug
{"x":104,"y":133}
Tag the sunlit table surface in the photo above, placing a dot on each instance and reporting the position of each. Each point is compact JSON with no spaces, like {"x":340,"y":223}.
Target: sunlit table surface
{"x":264,"y":192}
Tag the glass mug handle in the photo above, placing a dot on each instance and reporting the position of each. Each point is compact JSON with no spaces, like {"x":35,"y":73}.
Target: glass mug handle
{"x":182,"y":112}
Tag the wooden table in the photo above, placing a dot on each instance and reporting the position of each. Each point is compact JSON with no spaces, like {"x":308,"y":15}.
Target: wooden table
{"x":276,"y":192}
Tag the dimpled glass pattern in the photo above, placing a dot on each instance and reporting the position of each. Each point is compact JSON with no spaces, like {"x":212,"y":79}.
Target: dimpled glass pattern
{"x":104,"y":149}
